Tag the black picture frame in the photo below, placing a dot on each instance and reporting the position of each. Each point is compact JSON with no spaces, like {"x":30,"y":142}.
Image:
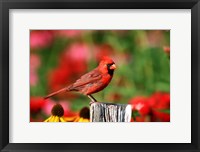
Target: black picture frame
{"x":5,"y":5}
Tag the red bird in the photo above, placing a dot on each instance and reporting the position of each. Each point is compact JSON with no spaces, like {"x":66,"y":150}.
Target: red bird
{"x":93,"y":81}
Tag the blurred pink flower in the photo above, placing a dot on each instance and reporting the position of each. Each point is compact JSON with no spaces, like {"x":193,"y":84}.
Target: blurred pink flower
{"x":34,"y":65}
{"x":65,"y":104}
{"x":33,"y":78}
{"x":69,"y":33}
{"x":155,"y":37}
{"x":76,"y":57}
{"x":78,"y":51}
{"x":48,"y":106}
{"x":40,"y":38}
{"x":34,"y":61}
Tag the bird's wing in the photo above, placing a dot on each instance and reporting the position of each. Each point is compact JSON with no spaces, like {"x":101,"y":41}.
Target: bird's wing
{"x":90,"y":77}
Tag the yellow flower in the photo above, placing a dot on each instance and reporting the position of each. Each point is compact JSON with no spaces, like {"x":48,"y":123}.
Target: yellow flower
{"x":57,"y":114}
{"x":84,"y":116}
{"x":80,"y":119}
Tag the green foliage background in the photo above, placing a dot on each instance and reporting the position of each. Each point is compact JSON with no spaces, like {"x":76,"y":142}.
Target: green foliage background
{"x":146,"y":70}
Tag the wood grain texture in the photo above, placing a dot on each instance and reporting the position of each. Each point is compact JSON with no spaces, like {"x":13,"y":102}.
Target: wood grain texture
{"x":110,"y":112}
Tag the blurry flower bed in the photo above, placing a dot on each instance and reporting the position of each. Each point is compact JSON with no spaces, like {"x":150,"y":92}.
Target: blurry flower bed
{"x":142,"y":77}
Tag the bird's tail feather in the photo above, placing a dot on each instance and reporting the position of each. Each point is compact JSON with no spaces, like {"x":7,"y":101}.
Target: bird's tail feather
{"x":57,"y":92}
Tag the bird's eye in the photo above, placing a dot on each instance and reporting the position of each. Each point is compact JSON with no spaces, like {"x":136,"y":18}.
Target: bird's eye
{"x":109,"y":65}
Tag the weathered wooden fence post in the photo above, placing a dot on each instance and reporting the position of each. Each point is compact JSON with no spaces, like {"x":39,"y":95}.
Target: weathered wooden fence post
{"x":110,"y":112}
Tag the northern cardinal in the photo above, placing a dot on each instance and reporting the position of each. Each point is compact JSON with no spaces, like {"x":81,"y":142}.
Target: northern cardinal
{"x":93,"y":81}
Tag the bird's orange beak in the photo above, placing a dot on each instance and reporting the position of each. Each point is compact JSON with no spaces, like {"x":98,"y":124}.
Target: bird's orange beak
{"x":112,"y":67}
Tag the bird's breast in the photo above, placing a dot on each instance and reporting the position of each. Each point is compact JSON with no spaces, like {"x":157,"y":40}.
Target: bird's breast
{"x":106,"y":79}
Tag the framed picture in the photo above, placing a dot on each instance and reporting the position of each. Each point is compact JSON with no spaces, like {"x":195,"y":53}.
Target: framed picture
{"x":99,"y":75}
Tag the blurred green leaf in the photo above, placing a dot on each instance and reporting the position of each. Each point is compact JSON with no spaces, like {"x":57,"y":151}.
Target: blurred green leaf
{"x":165,"y":111}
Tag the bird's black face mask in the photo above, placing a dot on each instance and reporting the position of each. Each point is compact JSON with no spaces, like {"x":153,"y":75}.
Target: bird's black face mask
{"x":110,"y":71}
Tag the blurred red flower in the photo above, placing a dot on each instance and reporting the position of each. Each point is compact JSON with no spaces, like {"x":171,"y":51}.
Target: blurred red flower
{"x":140,"y":103}
{"x":160,"y":116}
{"x":36,"y":104}
{"x":142,"y":118}
{"x":58,"y":78}
{"x":103,"y":50}
{"x":166,"y":50}
{"x":72,"y":64}
{"x":40,"y":38}
{"x":132,"y":120}
{"x":159,"y":102}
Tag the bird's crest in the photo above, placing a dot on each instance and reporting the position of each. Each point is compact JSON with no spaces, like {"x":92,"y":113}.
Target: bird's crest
{"x":106,"y":59}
